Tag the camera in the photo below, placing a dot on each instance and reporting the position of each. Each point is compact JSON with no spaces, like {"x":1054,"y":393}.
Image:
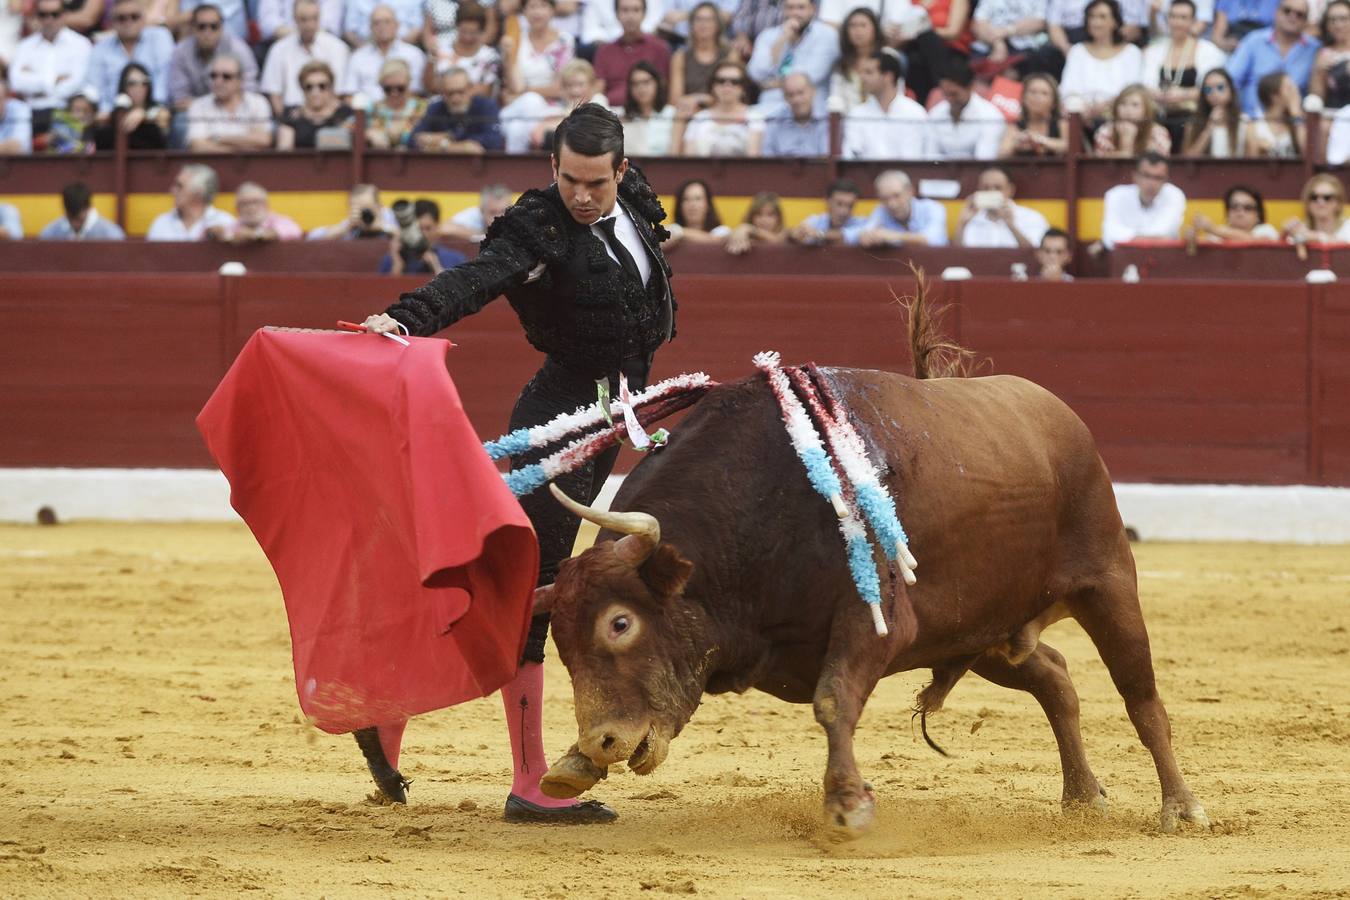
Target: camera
{"x":985,"y":200}
{"x":411,"y":242}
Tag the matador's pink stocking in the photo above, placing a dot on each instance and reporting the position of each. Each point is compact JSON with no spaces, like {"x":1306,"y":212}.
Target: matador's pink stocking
{"x":523,"y":700}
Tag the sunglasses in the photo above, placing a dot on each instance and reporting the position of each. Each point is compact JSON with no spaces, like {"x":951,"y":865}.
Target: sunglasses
{"x":394,"y":88}
{"x":51,"y":15}
{"x":137,"y":82}
{"x":1219,"y":88}
{"x":1329,"y":198}
{"x":124,"y":18}
{"x":1296,"y":13}
{"x":223,"y":76}
{"x":736,"y":81}
{"x":1242,"y":207}
{"x":316,"y":86}
{"x":207,"y":26}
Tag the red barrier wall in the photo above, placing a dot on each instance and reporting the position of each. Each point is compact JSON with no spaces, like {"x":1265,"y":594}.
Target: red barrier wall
{"x":1180,"y":381}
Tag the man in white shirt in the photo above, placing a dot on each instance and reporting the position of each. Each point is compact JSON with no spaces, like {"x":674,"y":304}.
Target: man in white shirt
{"x":49,"y":67}
{"x":888,"y":125}
{"x":964,"y":125}
{"x":281,"y":72}
{"x":229,"y":118}
{"x":800,"y":44}
{"x":1338,"y":139}
{"x":472,"y":224}
{"x":192,"y":218}
{"x":1149,"y":208}
{"x":990,"y":218}
{"x":363,"y":69}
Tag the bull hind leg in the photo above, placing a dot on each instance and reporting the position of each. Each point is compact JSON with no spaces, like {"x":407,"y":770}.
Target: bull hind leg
{"x":1111,"y":616}
{"x":1044,"y":674}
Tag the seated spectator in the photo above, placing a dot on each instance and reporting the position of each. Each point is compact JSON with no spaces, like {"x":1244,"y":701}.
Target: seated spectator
{"x":132,"y":41}
{"x":1174,"y":65}
{"x":533,"y":65}
{"x":1097,"y":70}
{"x":889,"y":125}
{"x":16,"y":121}
{"x":964,"y":125}
{"x":81,"y":221}
{"x":465,"y":47}
{"x":1218,"y":127}
{"x":234,"y":12}
{"x":472,"y":224}
{"x":598,"y":23}
{"x":1054,"y":255}
{"x":229,"y":118}
{"x":391,"y":121}
{"x":72,"y":129}
{"x":1245,"y":220}
{"x":942,"y":35}
{"x":145,"y":122}
{"x":1338,"y":138}
{"x":430,"y":259}
{"x":258,"y":223}
{"x":49,"y":66}
{"x":1148,"y":208}
{"x":696,"y":220}
{"x":648,"y":120}
{"x":1324,"y":220}
{"x":281,"y":72}
{"x":763,"y":223}
{"x":900,"y":218}
{"x":1330,"y":77}
{"x":366,"y":218}
{"x":692,"y":66}
{"x":323,"y":121}
{"x":190,"y":65}
{"x":1132,"y":129}
{"x":11,"y":225}
{"x":800,"y":44}
{"x":1015,"y":35}
{"x":796,"y":130}
{"x":193,"y":216}
{"x":458,"y":121}
{"x":1279,"y":133}
{"x":749,"y":20}
{"x":579,"y":86}
{"x":368,"y":60}
{"x":614,"y":60}
{"x":275,"y":22}
{"x":990,"y":218}
{"x":676,"y":16}
{"x":828,"y":227}
{"x":1041,"y":129}
{"x":1235,"y":19}
{"x":729,"y":127}
{"x":410,"y":20}
{"x":859,"y":39}
{"x":1066,"y":22}
{"x":1284,"y":47}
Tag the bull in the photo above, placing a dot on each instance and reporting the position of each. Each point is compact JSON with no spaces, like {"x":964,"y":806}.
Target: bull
{"x":727,"y":573}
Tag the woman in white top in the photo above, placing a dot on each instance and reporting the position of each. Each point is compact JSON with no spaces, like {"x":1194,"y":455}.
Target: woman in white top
{"x":727,"y":128}
{"x":1218,"y":127}
{"x":1324,"y":220}
{"x":1279,"y":133}
{"x":1102,"y":66}
{"x":859,"y":39}
{"x":648,"y":120}
{"x":536,"y":64}
{"x":696,"y":220}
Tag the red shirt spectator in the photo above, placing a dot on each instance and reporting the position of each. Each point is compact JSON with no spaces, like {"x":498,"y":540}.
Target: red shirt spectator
{"x":612,"y":61}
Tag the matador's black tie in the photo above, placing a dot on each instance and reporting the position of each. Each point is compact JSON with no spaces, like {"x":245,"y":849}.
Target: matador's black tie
{"x":620,"y":251}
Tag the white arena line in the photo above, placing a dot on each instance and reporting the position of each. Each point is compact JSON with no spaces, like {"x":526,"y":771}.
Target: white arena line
{"x":1297,"y":514}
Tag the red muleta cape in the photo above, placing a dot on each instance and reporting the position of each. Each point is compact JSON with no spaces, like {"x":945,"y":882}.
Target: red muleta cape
{"x":406,"y":564}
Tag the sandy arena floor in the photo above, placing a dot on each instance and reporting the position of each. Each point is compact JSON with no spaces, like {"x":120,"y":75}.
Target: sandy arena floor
{"x":151,"y":746}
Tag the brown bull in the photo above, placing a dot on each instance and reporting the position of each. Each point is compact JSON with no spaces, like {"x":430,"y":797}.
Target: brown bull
{"x":733,"y":576}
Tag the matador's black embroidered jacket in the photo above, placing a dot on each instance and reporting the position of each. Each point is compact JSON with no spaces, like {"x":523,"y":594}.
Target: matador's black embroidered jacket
{"x":583,"y":311}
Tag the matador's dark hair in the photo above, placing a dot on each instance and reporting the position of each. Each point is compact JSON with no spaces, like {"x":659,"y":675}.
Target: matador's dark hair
{"x":591,"y":130}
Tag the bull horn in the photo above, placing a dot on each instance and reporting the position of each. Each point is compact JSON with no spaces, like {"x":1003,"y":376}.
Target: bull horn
{"x":643,"y":530}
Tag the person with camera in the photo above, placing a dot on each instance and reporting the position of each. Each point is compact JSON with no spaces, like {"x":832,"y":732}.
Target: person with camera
{"x":990,"y":218}
{"x":414,"y":249}
{"x":366,"y":218}
{"x":581,"y":264}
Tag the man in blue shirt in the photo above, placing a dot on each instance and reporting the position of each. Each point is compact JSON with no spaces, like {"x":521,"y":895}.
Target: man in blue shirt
{"x":830,"y":226}
{"x":801,"y":44}
{"x":900,"y":218}
{"x":795,"y":130}
{"x":234,"y":11}
{"x":1235,"y":19}
{"x":81,"y":221}
{"x":432,"y":261}
{"x":151,"y":47}
{"x":1282,"y":48}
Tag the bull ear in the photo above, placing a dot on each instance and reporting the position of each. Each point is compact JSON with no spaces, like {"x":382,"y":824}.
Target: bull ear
{"x":543,"y":599}
{"x":666,"y":572}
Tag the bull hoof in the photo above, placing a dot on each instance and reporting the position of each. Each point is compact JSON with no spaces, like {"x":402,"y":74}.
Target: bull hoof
{"x":571,"y":776}
{"x":845,"y":823}
{"x":1174,"y":812}
{"x":1093,"y":804}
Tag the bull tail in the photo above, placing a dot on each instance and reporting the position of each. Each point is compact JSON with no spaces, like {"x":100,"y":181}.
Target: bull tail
{"x":935,"y":355}
{"x":932,"y":697}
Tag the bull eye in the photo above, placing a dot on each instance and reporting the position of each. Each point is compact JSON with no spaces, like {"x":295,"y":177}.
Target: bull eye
{"x":619,"y":624}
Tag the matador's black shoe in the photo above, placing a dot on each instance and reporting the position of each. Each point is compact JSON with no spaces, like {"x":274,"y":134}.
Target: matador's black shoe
{"x":388,"y":779}
{"x":588,"y":812}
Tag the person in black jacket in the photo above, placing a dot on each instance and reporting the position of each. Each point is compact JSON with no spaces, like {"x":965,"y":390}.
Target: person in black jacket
{"x":581,"y":264}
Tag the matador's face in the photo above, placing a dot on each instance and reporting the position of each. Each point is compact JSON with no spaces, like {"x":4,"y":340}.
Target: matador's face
{"x":589,"y":185}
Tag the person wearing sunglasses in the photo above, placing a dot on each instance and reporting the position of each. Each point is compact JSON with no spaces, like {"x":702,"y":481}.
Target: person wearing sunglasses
{"x":1244,"y":219}
{"x":281,"y":80}
{"x":459,"y":121}
{"x":363,"y":69}
{"x":730,"y":126}
{"x":1324,"y":220}
{"x":50,"y":65}
{"x":190,"y":65}
{"x":131,"y":41}
{"x":321,"y":118}
{"x":229,"y":119}
{"x":1218,"y":127}
{"x":145,"y":122}
{"x":1284,"y":47}
{"x":392,"y":119}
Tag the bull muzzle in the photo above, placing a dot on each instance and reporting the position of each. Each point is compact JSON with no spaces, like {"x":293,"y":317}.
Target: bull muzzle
{"x":643,"y":748}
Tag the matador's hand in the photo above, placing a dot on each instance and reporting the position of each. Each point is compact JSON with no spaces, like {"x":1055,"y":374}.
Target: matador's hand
{"x":381,"y":324}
